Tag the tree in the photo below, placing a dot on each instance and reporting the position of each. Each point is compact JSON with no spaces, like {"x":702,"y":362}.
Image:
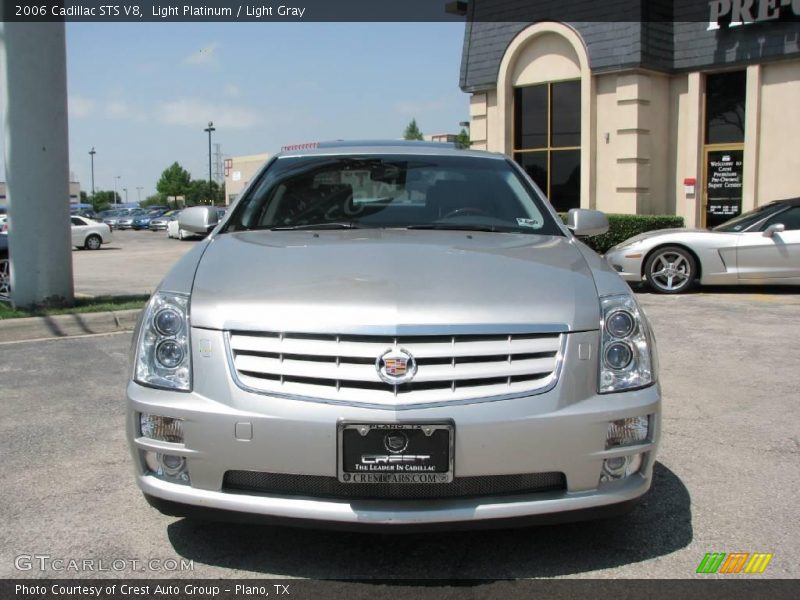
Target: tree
{"x":103,"y":199}
{"x":174,"y":181}
{"x":412,"y":131}
{"x":462,"y":139}
{"x":197,"y":193}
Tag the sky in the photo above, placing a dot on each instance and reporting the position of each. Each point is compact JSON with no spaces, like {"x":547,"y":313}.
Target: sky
{"x":142,"y":94}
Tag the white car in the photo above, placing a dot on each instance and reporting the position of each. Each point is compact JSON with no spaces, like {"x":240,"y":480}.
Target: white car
{"x":758,"y":247}
{"x":89,"y":234}
{"x":174,"y":231}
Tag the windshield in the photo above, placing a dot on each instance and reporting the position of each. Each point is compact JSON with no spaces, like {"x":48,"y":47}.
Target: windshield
{"x":392,"y":191}
{"x":747,"y":219}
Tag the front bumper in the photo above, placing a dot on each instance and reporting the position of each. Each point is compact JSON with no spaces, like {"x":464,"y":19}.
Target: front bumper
{"x":549,"y":432}
{"x":627,"y":263}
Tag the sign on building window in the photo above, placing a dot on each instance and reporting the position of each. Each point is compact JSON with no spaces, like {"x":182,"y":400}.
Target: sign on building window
{"x":724,"y":170}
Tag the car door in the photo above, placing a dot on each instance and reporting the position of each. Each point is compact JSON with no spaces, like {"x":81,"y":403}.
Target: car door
{"x":79,"y":229}
{"x":759,"y":256}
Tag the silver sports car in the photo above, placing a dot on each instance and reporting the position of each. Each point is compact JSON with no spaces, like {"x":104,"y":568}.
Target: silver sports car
{"x":396,"y":335}
{"x":758,"y":247}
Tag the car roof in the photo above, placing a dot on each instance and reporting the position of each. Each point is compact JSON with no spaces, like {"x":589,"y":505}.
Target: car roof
{"x":789,"y":201}
{"x":341,"y":147}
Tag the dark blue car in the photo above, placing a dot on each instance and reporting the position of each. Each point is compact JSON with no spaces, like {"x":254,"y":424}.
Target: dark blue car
{"x":143,"y":221}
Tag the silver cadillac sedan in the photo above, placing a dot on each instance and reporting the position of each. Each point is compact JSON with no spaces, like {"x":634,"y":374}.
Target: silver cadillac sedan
{"x":394,"y":336}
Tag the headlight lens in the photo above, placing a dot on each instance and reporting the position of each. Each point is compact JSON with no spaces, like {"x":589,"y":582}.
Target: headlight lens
{"x":168,"y":322}
{"x":162,"y":358}
{"x":620,"y":324}
{"x":169,"y":354}
{"x":628,"y":352}
{"x":618,"y":356}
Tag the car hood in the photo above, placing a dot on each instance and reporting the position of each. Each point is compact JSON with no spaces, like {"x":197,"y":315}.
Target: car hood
{"x":386,"y":281}
{"x":660,"y":232}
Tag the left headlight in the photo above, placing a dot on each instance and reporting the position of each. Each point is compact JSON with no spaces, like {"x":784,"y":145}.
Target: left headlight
{"x":163,"y":359}
{"x":627,"y":348}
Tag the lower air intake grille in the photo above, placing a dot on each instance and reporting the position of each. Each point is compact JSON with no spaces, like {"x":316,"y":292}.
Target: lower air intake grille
{"x":330,"y":487}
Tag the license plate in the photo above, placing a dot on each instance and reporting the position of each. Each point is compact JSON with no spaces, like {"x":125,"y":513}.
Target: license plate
{"x":395,"y":453}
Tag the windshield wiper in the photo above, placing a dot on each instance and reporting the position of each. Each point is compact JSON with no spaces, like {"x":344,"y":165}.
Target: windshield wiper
{"x":455,"y":227}
{"x":344,"y":225}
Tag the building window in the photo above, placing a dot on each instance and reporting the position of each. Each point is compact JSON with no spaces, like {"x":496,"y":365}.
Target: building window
{"x":724,"y":146}
{"x":725,"y":101}
{"x":547,"y":138}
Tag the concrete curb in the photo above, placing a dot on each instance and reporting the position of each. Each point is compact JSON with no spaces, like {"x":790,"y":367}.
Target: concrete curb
{"x":57,"y":326}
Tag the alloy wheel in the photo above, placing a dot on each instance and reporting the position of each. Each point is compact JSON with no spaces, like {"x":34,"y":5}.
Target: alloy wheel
{"x":670,"y":271}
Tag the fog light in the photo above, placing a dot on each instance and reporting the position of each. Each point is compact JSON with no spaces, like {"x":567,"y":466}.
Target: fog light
{"x":620,"y":467}
{"x":165,"y":429}
{"x":634,"y":465}
{"x":151,"y":460}
{"x":171,"y":465}
{"x":627,"y":432}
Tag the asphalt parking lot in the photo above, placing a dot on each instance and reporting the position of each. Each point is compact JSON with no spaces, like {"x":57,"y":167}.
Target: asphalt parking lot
{"x":133,"y":263}
{"x":726,"y":479}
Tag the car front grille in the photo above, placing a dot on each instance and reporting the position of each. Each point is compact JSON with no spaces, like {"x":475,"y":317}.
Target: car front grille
{"x":343,"y":367}
{"x":317,"y":486}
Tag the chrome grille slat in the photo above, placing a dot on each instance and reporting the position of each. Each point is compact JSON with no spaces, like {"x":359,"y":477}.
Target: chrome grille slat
{"x":342,"y":368}
{"x":329,"y":347}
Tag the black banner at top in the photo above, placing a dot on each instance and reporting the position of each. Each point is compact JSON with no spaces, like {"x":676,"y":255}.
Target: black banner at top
{"x":719,"y":13}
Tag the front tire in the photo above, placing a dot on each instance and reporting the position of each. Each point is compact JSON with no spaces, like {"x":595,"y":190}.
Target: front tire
{"x":93,"y":242}
{"x":670,"y":270}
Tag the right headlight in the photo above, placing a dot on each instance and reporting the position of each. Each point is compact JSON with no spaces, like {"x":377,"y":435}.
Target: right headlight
{"x":627,"y":347}
{"x":163,"y":359}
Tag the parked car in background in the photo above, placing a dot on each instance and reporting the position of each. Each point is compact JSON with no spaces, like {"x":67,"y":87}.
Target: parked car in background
{"x":5,"y":268}
{"x":759,"y":247}
{"x":112,"y":218}
{"x":174,"y":231}
{"x":89,"y":234}
{"x":143,"y":221}
{"x":126,"y":221}
{"x":85,"y":212}
{"x":160,"y":223}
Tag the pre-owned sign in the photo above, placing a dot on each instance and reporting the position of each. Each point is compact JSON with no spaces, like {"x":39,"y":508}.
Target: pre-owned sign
{"x":745,"y":12}
{"x":724,"y":171}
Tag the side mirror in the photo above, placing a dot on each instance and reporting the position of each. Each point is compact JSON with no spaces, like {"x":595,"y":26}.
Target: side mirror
{"x":198,"y":219}
{"x":586,"y":223}
{"x":773,"y":229}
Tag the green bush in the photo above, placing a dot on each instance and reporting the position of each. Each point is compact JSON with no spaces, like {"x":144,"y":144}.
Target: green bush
{"x":622,"y":227}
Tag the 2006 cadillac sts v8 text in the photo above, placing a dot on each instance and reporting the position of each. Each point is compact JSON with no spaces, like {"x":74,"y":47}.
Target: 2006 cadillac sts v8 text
{"x":397,"y":335}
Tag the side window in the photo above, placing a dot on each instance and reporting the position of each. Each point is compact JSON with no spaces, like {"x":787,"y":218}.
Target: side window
{"x":76,"y":221}
{"x":789,"y":218}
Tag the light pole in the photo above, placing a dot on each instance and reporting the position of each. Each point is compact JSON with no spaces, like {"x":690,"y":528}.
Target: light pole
{"x":92,"y":153}
{"x":139,"y":193}
{"x":116,"y":178}
{"x":209,"y":129}
{"x":126,"y":194}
